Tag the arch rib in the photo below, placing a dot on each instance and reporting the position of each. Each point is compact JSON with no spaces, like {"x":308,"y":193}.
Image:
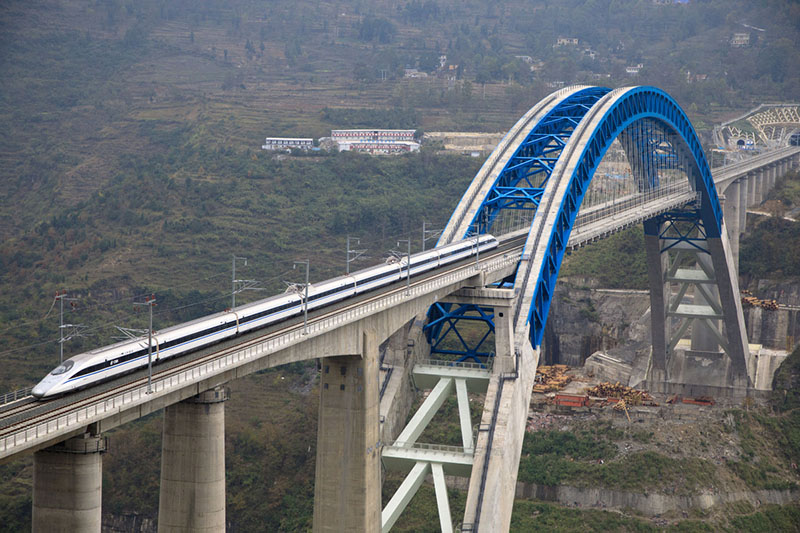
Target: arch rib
{"x":573,"y":172}
{"x":488,"y":500}
{"x":528,"y":148}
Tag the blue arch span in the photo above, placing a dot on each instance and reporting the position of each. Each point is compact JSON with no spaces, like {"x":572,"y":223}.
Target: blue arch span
{"x":568,"y":135}
{"x":606,"y":121}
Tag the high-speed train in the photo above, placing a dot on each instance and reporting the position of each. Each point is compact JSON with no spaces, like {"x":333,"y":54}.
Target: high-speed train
{"x":105,"y":363}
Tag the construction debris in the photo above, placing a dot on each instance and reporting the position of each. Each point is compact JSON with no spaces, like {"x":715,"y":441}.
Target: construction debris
{"x":551,"y":378}
{"x":614,"y":392}
{"x":621,"y":406}
{"x":673,"y":399}
{"x":543,"y":421}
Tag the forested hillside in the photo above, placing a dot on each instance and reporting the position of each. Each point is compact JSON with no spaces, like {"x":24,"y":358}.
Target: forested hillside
{"x":132,"y":129}
{"x":130,"y":161}
{"x":130,"y":152}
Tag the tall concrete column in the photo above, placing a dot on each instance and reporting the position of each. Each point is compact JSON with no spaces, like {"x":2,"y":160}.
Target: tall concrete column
{"x":504,"y":336}
{"x":659,"y":327}
{"x":751,"y":187}
{"x":67,"y":486}
{"x":730,"y":209}
{"x":192,"y":496}
{"x":742,"y":204}
{"x":761,"y":177}
{"x":771,"y":182}
{"x":347,"y":488}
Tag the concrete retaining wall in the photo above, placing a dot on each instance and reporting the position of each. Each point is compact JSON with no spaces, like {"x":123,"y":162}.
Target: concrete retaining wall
{"x":648,"y":504}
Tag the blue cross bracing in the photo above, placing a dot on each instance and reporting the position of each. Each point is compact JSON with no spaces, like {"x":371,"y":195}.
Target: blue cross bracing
{"x":521,"y":182}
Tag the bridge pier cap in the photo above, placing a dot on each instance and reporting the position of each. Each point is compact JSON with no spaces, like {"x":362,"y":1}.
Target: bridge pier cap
{"x":584,"y":121}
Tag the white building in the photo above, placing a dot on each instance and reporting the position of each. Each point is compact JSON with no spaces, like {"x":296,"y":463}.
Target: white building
{"x":633,"y":69}
{"x":375,"y":141}
{"x":414,"y":73}
{"x":740,"y":40}
{"x":285,"y":143}
{"x":379,"y":147}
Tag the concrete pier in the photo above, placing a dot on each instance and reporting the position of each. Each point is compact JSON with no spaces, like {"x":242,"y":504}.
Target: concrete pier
{"x":751,"y":187}
{"x":347,"y":489}
{"x":67,"y":486}
{"x":192,"y":496}
{"x":731,"y":206}
{"x":657,"y":264}
{"x":757,"y":186}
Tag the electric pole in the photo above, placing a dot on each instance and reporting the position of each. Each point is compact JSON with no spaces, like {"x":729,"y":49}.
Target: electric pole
{"x":428,"y":234}
{"x":408,"y":264}
{"x":234,"y":281}
{"x":61,"y":296}
{"x":352,"y":255}
{"x":305,"y":298}
{"x":150,"y":302}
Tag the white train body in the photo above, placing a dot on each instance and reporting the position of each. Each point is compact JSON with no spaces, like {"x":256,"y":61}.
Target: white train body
{"x":105,"y":363}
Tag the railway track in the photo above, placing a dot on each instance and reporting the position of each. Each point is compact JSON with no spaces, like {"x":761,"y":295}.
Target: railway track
{"x":17,"y":416}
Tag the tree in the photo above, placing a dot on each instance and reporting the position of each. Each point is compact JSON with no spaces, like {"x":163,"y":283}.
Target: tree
{"x":374,"y":29}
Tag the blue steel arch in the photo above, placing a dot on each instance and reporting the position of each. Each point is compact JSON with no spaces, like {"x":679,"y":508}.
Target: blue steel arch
{"x":521,"y":182}
{"x":523,"y":179}
{"x":620,"y":109}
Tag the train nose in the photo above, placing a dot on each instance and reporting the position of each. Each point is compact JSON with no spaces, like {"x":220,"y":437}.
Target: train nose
{"x":38,"y":391}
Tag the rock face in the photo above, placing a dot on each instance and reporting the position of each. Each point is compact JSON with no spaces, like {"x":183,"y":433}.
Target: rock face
{"x":651,"y":504}
{"x":779,"y":329}
{"x":584,"y":319}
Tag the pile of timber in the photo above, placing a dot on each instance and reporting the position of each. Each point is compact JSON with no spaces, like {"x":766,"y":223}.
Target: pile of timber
{"x":551,"y":378}
{"x":748,"y":300}
{"x":614,"y":392}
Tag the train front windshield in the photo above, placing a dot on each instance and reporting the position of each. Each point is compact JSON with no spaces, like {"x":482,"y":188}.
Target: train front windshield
{"x":63,"y":367}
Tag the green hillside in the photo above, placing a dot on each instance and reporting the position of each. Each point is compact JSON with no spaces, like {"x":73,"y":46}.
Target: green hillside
{"x":130,"y":161}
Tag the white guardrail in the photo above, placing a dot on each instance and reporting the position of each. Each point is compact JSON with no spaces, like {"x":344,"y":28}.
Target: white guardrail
{"x":37,"y":433}
{"x":14,"y":396}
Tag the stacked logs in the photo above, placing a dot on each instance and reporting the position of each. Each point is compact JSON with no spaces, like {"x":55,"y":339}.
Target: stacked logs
{"x":551,"y":378}
{"x":748,"y":300}
{"x":615,"y":392}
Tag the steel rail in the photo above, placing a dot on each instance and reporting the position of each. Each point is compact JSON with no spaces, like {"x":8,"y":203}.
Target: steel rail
{"x":182,"y":364}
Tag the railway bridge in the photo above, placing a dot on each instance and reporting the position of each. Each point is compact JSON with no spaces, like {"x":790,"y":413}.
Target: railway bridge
{"x":539,"y":192}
